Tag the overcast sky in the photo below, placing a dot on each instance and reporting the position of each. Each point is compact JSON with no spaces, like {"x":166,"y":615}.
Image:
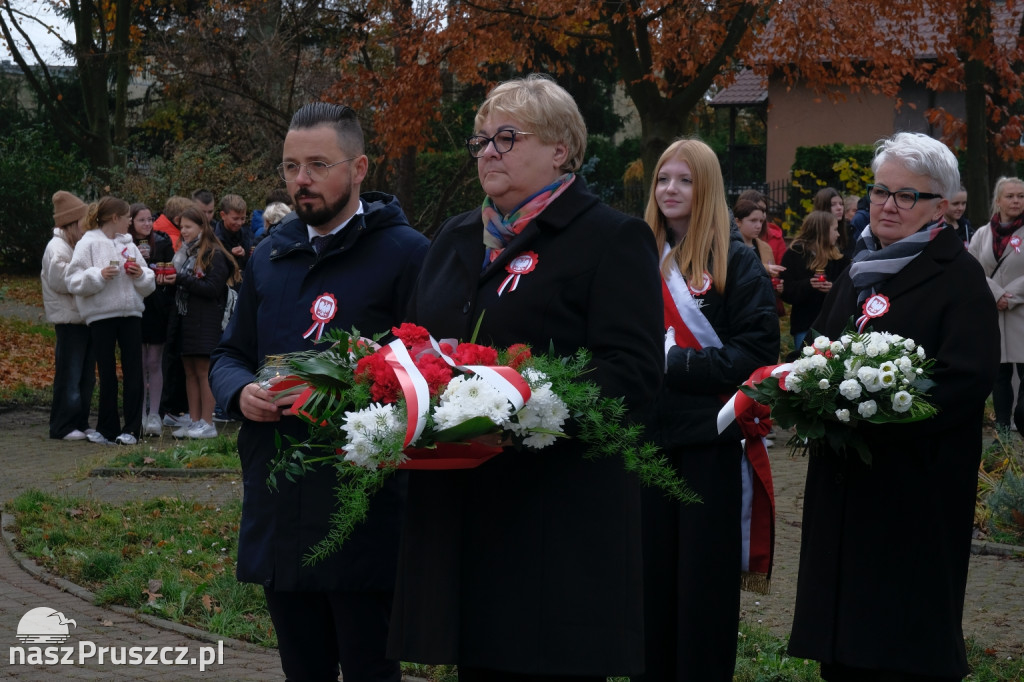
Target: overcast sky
{"x":47,"y":45}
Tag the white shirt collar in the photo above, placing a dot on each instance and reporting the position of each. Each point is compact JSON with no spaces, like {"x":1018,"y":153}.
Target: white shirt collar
{"x":313,"y":233}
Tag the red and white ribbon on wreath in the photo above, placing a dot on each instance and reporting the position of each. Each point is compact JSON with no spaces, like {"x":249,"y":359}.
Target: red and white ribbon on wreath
{"x":324,"y":308}
{"x":521,"y":265}
{"x":741,"y":403}
{"x":875,"y":306}
{"x":417,"y":393}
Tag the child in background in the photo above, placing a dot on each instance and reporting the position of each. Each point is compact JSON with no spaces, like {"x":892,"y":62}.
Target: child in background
{"x":205,"y":271}
{"x":157,"y":249}
{"x":109,"y":281}
{"x":74,"y":365}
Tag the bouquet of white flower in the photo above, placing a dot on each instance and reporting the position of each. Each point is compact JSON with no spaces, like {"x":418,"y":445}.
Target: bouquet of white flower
{"x":874,"y":377}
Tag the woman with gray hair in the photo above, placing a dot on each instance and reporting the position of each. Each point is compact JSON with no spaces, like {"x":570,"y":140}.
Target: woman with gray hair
{"x":885,"y":546}
{"x":528,"y":567}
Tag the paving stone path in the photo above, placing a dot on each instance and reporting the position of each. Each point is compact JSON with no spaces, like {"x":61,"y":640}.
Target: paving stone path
{"x":994,"y":613}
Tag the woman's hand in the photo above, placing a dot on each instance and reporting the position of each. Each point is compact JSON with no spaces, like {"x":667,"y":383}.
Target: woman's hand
{"x":774,"y":270}
{"x":110,"y":272}
{"x":821,"y":285}
{"x":1003,"y":302}
{"x":133,"y":269}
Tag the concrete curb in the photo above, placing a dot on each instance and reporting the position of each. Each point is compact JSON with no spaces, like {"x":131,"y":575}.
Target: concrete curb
{"x":159,"y":472}
{"x":985,"y":548}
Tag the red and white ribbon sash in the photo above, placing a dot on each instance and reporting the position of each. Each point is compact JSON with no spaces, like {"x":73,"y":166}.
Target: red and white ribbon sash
{"x":757,"y":513}
{"x":417,"y":393}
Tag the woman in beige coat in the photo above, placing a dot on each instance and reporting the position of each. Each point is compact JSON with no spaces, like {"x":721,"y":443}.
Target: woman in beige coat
{"x":999,"y":247}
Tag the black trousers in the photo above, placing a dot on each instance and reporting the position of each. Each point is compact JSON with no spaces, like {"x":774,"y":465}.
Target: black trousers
{"x":318,"y":632}
{"x":124,"y":333}
{"x":692,"y":570}
{"x":173,"y":398}
{"x":74,"y":378}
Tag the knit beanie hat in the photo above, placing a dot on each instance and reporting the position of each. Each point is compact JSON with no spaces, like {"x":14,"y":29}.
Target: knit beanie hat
{"x":67,"y":208}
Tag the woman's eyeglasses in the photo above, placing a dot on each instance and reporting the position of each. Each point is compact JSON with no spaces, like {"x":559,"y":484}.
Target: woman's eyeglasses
{"x":502,"y":141}
{"x":904,"y":198}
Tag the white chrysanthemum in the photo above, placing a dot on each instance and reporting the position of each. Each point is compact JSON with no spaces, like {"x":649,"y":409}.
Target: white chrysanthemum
{"x":808,"y":350}
{"x":867,"y":409}
{"x":901,"y":401}
{"x":822,"y":343}
{"x":909,"y":344}
{"x":850,"y":389}
{"x":534,"y":377}
{"x":843,"y":414}
{"x":869,"y":377}
{"x":367,"y":427}
{"x":467,"y":397}
{"x":823,"y":384}
{"x":544,"y":410}
{"x":857,"y":348}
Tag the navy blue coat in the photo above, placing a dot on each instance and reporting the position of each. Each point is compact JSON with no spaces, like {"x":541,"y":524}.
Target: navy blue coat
{"x":370,"y":268}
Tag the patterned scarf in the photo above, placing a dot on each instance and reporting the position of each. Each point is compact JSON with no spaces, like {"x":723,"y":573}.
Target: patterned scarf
{"x":874,"y":264}
{"x":499,"y":230}
{"x":1001,"y":234}
{"x":185,"y":261}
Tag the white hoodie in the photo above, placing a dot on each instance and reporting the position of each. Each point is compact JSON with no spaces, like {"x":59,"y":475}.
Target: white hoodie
{"x":98,"y":298}
{"x":58,"y":302}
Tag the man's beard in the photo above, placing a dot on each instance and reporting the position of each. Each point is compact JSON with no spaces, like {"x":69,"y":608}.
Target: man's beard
{"x":315,"y":217}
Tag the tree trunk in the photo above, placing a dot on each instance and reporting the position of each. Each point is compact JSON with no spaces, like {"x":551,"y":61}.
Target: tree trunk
{"x":978,"y":26}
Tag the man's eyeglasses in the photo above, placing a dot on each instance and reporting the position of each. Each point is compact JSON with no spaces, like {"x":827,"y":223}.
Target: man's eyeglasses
{"x":502,"y":141}
{"x":317,"y":170}
{"x":904,"y":198}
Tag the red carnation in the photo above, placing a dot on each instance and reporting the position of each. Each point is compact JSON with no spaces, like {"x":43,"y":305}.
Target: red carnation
{"x":376,"y":371}
{"x":435,"y":371}
{"x":518,"y":353}
{"x":474,"y":354}
{"x":412,"y":335}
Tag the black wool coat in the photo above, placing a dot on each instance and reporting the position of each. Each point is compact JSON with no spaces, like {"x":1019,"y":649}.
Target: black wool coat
{"x":885,"y":546}
{"x":531,"y":563}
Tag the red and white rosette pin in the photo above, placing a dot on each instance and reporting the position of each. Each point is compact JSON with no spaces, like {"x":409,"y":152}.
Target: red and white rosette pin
{"x":1015,"y":243}
{"x":324,"y":308}
{"x":876,"y":306}
{"x":521,"y":265}
{"x":705,"y":285}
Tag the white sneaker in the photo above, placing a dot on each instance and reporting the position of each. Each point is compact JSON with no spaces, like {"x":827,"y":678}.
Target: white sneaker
{"x":153,"y":425}
{"x":182,"y":431}
{"x":75,"y":435}
{"x":177,"y":420}
{"x":97,"y":437}
{"x":126,"y":439}
{"x":202,"y":430}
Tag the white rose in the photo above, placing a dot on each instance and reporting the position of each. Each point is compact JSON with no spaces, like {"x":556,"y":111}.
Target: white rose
{"x":845,"y":339}
{"x":867,"y":409}
{"x":857,"y":348}
{"x":808,"y":350}
{"x":909,"y":344}
{"x":850,"y":389}
{"x":823,"y":384}
{"x":818,"y":361}
{"x":843,"y":415}
{"x":920,"y":352}
{"x":822,"y":343}
{"x":836,"y":347}
{"x":869,"y":377}
{"x":901,"y":401}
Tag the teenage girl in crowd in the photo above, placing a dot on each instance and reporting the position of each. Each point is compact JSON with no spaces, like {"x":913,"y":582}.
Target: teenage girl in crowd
{"x":155,"y":247}
{"x":205,"y":270}
{"x":692,"y":553}
{"x":812,"y":262}
{"x":956,"y":219}
{"x":109,"y":281}
{"x":829,"y":200}
{"x":74,"y":365}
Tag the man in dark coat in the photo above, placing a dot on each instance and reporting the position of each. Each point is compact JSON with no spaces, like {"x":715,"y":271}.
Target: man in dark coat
{"x":358,"y":253}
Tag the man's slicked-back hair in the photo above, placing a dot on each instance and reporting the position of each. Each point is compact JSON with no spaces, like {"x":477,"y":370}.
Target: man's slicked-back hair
{"x":340,"y":117}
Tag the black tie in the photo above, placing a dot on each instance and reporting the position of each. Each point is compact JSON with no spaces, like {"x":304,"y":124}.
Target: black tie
{"x":320,"y":243}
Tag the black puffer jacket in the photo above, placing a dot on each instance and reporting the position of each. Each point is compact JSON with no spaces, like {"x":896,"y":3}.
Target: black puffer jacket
{"x":696,"y":381}
{"x":207,"y":295}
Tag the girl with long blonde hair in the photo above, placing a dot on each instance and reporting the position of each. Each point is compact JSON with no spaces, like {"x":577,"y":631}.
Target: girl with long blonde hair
{"x":721,"y":325}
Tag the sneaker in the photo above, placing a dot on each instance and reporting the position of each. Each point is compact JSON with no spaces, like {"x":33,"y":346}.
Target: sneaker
{"x":202,"y":430}
{"x":75,"y":435}
{"x":97,"y":437}
{"x":182,"y":431}
{"x":221,"y":417}
{"x":177,"y":419}
{"x":153,"y":425}
{"x":126,"y":439}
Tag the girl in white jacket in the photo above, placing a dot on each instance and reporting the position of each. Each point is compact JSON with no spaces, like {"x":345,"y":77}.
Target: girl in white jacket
{"x":74,"y":365}
{"x":108,"y":277}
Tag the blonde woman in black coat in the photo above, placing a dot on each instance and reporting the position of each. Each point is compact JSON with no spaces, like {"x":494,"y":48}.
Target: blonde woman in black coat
{"x":528,"y":567}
